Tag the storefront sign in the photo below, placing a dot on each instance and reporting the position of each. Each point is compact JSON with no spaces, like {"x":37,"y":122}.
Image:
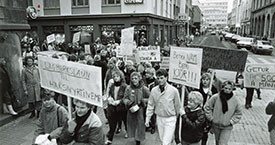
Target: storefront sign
{"x":185,"y":66}
{"x":149,"y":54}
{"x":165,"y":63}
{"x":72,"y":79}
{"x":51,"y":38}
{"x":259,"y":76}
{"x":127,"y":41}
{"x":133,"y":1}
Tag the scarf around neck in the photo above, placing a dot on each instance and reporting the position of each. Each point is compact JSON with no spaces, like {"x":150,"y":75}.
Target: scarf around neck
{"x":80,"y":120}
{"x":224,"y":98}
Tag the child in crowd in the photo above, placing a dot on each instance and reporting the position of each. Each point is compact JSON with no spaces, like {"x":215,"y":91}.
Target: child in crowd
{"x":193,"y":120}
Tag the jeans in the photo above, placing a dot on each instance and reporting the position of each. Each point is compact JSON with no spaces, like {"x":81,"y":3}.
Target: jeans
{"x":166,"y":128}
{"x":222,"y":135}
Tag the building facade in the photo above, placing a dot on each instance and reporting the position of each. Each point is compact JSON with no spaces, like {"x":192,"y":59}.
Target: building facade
{"x":245,"y":17}
{"x":263,"y":19}
{"x":197,"y":19}
{"x":215,"y":12}
{"x":154,"y":18}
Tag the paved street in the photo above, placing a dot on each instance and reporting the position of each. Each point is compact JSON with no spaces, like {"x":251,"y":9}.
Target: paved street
{"x":252,"y":130}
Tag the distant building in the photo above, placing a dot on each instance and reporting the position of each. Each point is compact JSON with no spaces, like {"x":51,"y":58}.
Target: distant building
{"x":263,"y":19}
{"x":215,"y":12}
{"x":245,"y":17}
{"x":197,"y":19}
{"x":152,"y":17}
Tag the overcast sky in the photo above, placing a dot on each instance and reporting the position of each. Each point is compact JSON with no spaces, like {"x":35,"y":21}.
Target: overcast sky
{"x":230,"y":4}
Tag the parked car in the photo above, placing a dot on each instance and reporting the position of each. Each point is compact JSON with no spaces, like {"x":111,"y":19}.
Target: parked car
{"x":260,"y":46}
{"x":228,"y":36}
{"x":234,"y":38}
{"x":213,"y":32}
{"x":245,"y":42}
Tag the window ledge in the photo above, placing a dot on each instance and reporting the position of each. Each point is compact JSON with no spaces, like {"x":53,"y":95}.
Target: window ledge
{"x":110,"y":5}
{"x":86,"y":6}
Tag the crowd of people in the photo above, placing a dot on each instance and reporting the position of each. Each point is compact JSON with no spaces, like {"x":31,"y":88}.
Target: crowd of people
{"x":137,"y":95}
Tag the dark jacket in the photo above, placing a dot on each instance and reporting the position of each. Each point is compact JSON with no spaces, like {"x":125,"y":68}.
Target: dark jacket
{"x":204,"y":95}
{"x":192,"y":126}
{"x":104,"y":69}
{"x":270,"y":110}
{"x":120,"y":95}
{"x":90,"y":133}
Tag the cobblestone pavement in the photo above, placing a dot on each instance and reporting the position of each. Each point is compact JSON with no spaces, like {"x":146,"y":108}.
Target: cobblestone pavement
{"x":252,"y":129}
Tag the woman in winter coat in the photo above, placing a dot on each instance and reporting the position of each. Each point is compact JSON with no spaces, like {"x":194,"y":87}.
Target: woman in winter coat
{"x":85,"y":128}
{"x":270,"y":110}
{"x":31,"y":85}
{"x":116,"y":110}
{"x":223,"y":110}
{"x":135,"y":98}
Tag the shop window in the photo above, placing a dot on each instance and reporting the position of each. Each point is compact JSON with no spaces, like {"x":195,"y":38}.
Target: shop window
{"x":77,"y":3}
{"x":111,"y":2}
{"x":111,"y":33}
{"x":141,"y":31}
{"x":51,"y":3}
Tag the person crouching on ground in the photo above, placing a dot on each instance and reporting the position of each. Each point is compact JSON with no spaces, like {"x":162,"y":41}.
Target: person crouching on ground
{"x":223,"y":110}
{"x":193,"y":120}
{"x":84,"y":128}
{"x":52,"y":117}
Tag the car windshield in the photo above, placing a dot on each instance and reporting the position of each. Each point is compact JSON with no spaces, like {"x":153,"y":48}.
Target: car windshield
{"x":246,"y":39}
{"x":264,"y":43}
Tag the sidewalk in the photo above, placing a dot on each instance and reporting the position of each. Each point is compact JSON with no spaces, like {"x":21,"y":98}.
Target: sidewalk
{"x":252,"y":129}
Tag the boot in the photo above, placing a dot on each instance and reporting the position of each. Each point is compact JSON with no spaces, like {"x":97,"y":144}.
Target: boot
{"x":38,"y":112}
{"x":12,"y":112}
{"x":5,"y":109}
{"x":32,"y":114}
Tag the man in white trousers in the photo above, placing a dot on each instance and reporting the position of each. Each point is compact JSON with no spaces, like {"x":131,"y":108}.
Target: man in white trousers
{"x":164,"y":101}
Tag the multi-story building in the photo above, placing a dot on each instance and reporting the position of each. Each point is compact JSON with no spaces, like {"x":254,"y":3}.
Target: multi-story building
{"x":245,"y":17}
{"x":197,"y":19}
{"x":263,"y":19}
{"x":153,"y":17}
{"x":236,"y":17}
{"x":215,"y":12}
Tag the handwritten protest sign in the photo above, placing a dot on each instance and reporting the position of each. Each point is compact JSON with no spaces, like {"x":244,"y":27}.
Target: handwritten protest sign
{"x":259,"y":76}
{"x":87,"y":48}
{"x":150,"y":53}
{"x":72,"y":79}
{"x":164,"y":63}
{"x":185,"y":66}
{"x":127,"y":41}
{"x":50,"y":38}
{"x":76,"y":37}
{"x":223,"y":58}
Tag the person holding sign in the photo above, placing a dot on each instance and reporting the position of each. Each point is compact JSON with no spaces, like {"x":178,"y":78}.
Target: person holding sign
{"x":84,"y":128}
{"x":223,"y":110}
{"x":270,"y":110}
{"x":135,"y":100}
{"x":52,"y":117}
{"x":164,"y":101}
{"x":116,"y":109}
{"x":206,"y":92}
{"x":193,"y":121}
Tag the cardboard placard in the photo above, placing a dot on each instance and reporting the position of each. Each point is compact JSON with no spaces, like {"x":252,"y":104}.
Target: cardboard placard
{"x":185,"y":66}
{"x":258,"y":75}
{"x":127,"y":41}
{"x":72,"y":79}
{"x":76,"y":37}
{"x":50,"y":38}
{"x":223,"y":58}
{"x":165,"y":62}
{"x":87,"y":49}
{"x":149,"y":53}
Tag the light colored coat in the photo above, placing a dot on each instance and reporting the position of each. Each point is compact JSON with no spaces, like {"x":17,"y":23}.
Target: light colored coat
{"x":213,"y":112}
{"x":31,"y":83}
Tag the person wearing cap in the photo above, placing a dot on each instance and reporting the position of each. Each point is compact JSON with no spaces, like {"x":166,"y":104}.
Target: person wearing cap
{"x":135,"y":98}
{"x":223,"y":110}
{"x":164,"y":101}
{"x":52,"y":117}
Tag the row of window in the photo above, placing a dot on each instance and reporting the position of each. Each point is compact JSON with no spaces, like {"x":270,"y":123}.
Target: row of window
{"x":76,"y":3}
{"x":216,"y":20}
